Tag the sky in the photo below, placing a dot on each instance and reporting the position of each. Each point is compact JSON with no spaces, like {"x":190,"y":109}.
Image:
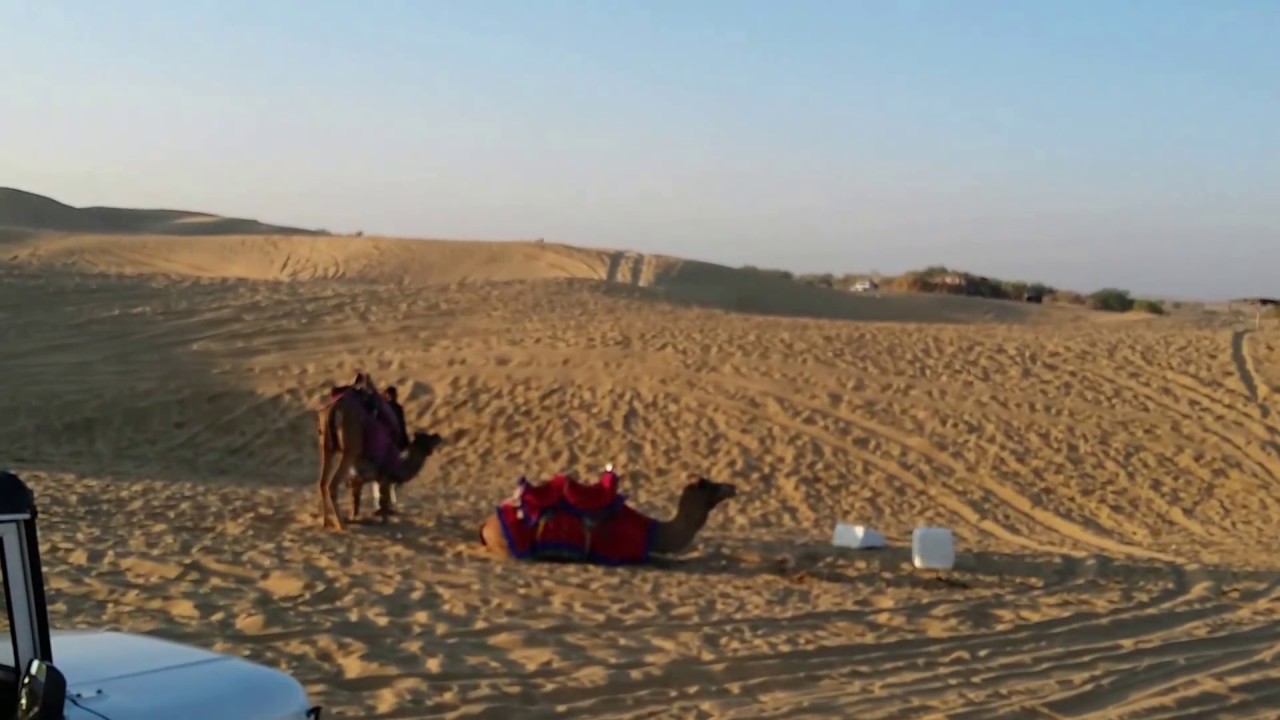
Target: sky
{"x":1085,"y":143}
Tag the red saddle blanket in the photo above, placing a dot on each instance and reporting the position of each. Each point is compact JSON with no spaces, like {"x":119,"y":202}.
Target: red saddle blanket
{"x":564,"y":519}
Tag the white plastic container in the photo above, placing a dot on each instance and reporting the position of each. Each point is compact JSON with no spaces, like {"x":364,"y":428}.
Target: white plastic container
{"x":856,"y":536}
{"x":933,"y":548}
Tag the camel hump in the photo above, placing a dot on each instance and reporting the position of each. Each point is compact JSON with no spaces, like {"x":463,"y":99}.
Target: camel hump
{"x":591,"y":497}
{"x":565,"y":493}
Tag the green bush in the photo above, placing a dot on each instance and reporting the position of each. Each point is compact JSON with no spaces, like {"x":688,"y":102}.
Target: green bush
{"x":826,"y":280}
{"x":1013,"y":289}
{"x":781,"y":274}
{"x":1155,"y":307}
{"x":1111,"y":300}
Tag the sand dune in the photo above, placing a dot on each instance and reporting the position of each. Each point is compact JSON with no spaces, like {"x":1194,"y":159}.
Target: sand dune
{"x":1114,"y":486}
{"x":424,"y":265}
{"x":21,"y":210}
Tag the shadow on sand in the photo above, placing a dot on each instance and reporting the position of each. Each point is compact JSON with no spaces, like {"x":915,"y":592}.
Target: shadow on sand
{"x":890,"y":567}
{"x":104,"y":377}
{"x":708,"y":286}
{"x":973,"y":570}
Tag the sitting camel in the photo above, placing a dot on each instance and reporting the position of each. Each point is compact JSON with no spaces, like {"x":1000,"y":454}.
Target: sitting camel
{"x":563,"y":519}
{"x":362,"y":434}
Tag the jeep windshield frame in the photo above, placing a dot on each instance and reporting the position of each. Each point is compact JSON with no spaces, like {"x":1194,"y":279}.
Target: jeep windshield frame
{"x":23,"y":575}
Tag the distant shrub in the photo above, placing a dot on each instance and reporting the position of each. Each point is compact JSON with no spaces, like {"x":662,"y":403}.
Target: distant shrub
{"x":937,"y":279}
{"x":1015,"y":290}
{"x":943,"y":280}
{"x":826,"y":280}
{"x":913,"y":282}
{"x":1154,"y":307}
{"x":782,"y":274}
{"x":1111,"y":300}
{"x":847,"y":281}
{"x":1068,"y":297}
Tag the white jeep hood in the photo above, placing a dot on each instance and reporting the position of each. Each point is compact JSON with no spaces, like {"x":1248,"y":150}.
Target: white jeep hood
{"x":121,"y":676}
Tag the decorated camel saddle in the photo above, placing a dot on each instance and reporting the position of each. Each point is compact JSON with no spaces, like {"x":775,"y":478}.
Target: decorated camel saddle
{"x":565,"y":519}
{"x":381,"y":426}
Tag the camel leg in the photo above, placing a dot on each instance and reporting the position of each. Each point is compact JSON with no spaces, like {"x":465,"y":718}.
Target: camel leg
{"x":384,"y":493}
{"x":322,"y":483}
{"x":345,"y":466}
{"x":323,"y":514}
{"x":357,"y":489}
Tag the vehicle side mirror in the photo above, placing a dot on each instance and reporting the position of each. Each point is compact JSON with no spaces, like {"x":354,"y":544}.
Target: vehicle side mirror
{"x":42,"y":695}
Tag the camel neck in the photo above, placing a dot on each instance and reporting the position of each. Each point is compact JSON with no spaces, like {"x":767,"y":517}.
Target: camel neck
{"x":678,"y":533}
{"x":412,"y":464}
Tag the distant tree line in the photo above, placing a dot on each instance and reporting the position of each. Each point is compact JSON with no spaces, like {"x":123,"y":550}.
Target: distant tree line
{"x":943,"y":280}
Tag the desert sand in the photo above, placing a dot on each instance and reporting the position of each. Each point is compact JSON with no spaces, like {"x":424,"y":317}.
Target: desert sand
{"x":1114,"y":487}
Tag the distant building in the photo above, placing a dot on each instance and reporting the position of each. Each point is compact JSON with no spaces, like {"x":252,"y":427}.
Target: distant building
{"x":1256,"y":305}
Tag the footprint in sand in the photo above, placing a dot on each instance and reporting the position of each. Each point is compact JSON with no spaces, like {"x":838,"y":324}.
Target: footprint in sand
{"x":251,"y":624}
{"x":282,"y":584}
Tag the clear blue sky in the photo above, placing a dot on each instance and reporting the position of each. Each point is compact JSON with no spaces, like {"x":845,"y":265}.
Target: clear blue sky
{"x":1082,"y":142}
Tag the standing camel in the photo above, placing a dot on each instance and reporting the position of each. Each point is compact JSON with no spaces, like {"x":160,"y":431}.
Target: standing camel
{"x":563,"y":519}
{"x":366,"y":452}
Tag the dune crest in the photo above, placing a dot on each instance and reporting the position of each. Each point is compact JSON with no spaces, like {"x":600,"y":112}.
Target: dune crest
{"x":428,"y":263}
{"x":21,"y":210}
{"x":40,"y":232}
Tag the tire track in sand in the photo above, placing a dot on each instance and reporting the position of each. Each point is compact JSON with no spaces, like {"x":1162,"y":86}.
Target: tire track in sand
{"x":1249,"y":378}
{"x":1263,"y":462}
{"x":1201,"y":392}
{"x":907,"y":671}
{"x":1140,"y":652}
{"x":1248,"y":374}
{"x":1190,"y":682}
{"x":947,"y":500}
{"x":1245,"y":646}
{"x":1128,"y":675}
{"x":1244,"y":365}
{"x":1007,"y":495}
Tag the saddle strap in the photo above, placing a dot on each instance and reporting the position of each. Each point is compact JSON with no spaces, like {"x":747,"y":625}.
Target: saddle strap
{"x":588,"y":530}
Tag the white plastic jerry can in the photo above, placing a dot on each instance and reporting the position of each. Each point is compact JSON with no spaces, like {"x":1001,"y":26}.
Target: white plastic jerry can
{"x":933,"y":548}
{"x":856,"y":536}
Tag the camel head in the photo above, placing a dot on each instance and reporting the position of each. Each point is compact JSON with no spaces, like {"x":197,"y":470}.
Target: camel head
{"x":426,"y":443}
{"x":421,"y":446}
{"x":707,"y":493}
